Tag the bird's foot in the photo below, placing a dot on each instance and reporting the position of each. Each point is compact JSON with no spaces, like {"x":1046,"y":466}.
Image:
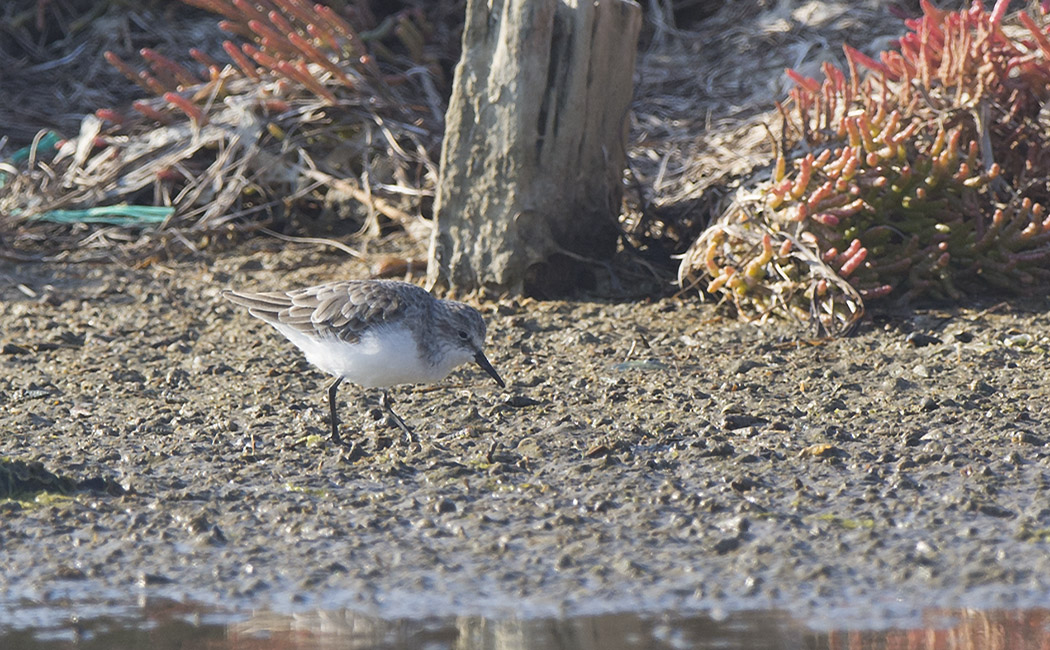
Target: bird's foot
{"x":387,"y":403}
{"x":352,"y":451}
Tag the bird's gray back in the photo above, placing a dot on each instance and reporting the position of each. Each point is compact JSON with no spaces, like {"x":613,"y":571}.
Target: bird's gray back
{"x":344,"y":309}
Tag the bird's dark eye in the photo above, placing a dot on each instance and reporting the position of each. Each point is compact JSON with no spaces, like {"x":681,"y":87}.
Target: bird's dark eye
{"x":463,"y":335}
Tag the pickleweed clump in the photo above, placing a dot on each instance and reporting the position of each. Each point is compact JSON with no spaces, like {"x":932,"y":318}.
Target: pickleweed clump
{"x":923,"y":172}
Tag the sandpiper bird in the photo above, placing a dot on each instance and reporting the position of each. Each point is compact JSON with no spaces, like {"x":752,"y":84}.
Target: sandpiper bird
{"x":374,"y":333}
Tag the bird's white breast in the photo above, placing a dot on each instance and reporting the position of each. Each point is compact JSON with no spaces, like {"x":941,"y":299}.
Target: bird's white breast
{"x":384,"y":356}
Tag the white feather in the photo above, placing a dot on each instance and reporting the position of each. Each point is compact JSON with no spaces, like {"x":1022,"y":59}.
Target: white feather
{"x":384,"y":356}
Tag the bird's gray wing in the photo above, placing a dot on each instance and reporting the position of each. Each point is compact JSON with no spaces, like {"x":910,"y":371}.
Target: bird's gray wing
{"x":340,"y":309}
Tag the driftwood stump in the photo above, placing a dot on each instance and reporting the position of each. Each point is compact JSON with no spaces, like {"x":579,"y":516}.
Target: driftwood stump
{"x":534,"y":151}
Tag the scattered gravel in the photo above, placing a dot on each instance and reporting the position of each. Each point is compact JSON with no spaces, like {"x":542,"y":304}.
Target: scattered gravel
{"x":644,"y":456}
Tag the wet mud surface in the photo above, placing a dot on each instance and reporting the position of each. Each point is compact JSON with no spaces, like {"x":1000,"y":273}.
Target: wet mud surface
{"x":643,"y":457}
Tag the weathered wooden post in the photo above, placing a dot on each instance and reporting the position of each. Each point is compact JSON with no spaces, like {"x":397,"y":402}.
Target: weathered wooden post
{"x":534,"y":151}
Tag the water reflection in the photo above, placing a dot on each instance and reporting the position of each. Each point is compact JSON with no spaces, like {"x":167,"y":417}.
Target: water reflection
{"x":164,"y":626}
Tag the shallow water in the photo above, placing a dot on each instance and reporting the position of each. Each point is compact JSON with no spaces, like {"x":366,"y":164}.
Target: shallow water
{"x":166,"y":624}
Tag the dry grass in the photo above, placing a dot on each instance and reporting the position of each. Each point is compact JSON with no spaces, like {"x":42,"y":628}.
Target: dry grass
{"x":237,"y":149}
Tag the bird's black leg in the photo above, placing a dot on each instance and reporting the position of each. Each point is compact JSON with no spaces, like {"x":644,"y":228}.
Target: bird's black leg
{"x":332,"y":389}
{"x":386,"y":403}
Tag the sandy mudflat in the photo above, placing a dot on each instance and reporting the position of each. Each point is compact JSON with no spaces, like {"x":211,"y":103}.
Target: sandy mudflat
{"x":643,"y":457}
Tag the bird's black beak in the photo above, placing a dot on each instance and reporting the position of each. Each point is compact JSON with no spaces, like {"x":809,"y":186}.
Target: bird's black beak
{"x":484,"y":363}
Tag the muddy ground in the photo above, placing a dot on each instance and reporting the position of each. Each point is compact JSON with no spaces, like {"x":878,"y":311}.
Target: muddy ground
{"x":644,"y":456}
